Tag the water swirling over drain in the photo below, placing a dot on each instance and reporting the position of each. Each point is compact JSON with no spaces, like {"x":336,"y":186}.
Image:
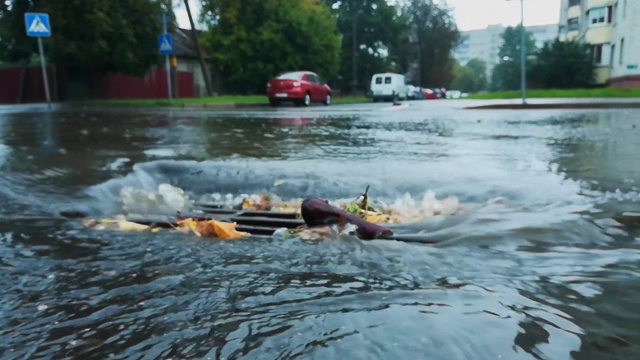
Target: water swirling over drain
{"x":532,"y":272}
{"x":102,"y":294}
{"x":168,"y":186}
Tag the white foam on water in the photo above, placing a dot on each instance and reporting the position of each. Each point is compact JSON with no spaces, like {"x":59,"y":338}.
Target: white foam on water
{"x":169,"y":198}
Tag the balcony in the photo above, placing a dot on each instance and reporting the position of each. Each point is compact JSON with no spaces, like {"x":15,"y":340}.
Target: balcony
{"x":597,"y":3}
{"x":601,"y":75}
{"x":599,"y":35}
{"x":574,"y":12}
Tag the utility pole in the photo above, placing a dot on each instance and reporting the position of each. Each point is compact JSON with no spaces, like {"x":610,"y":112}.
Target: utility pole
{"x":194,"y":35}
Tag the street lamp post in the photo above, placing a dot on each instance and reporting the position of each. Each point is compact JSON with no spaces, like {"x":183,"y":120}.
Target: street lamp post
{"x":523,"y":57}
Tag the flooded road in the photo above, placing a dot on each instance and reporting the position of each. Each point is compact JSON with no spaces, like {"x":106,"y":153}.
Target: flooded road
{"x":545,"y":264}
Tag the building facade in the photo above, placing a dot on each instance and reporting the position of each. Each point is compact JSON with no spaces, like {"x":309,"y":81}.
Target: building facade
{"x":612,"y":29}
{"x":485,"y":43}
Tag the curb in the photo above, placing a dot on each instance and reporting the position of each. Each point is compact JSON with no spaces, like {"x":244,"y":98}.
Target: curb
{"x":224,"y":106}
{"x":578,"y":106}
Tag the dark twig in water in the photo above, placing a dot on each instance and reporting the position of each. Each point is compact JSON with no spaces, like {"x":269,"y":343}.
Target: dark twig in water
{"x":316,"y":212}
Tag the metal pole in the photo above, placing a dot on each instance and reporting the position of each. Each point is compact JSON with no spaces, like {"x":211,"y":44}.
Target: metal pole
{"x":44,"y":72}
{"x":167,"y":66}
{"x":523,"y":55}
{"x":353,"y":54}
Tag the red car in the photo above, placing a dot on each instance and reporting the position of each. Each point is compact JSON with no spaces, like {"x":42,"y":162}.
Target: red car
{"x":429,"y":94}
{"x":301,"y":87}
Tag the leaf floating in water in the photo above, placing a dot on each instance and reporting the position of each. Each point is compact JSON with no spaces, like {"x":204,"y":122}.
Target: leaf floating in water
{"x":278,"y":183}
{"x":211,"y":228}
{"x":260,"y":202}
{"x":125,"y":225}
{"x":226,"y":230}
{"x":120,"y":224}
{"x":202,"y":228}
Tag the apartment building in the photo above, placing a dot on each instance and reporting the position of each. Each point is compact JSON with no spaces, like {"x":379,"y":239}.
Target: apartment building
{"x":485,"y":43}
{"x":612,"y":28}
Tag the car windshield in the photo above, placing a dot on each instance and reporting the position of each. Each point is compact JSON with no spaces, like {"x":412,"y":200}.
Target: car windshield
{"x":291,"y":76}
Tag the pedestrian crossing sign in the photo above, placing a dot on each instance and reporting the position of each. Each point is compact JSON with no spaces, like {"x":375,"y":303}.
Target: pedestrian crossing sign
{"x":37,"y":24}
{"x":165,"y":44}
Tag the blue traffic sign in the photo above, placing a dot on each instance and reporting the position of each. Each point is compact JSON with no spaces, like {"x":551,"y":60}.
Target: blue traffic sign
{"x":165,"y":44}
{"x":37,"y":24}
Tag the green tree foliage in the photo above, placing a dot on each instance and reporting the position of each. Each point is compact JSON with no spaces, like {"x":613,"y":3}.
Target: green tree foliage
{"x":563,"y":64}
{"x":434,"y":34}
{"x":506,"y":74}
{"x":371,"y":30}
{"x":470,"y":78}
{"x":254,"y":40}
{"x":14,"y":43}
{"x":87,"y":35}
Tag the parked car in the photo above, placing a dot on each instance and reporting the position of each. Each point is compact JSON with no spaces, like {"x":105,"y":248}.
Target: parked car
{"x":440,"y":92}
{"x":429,"y":94}
{"x":413,"y":92}
{"x":301,"y":87}
{"x":388,"y":86}
{"x":454,"y":94}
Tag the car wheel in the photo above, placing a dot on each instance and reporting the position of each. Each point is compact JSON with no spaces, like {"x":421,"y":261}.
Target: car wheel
{"x":307,"y":99}
{"x":327,"y":99}
{"x":273,"y":102}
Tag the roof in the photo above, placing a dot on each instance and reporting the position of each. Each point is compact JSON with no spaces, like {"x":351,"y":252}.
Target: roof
{"x":184,"y":46}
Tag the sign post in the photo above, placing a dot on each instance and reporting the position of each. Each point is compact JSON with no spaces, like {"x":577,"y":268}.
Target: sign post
{"x":165,"y":46}
{"x":38,"y":25}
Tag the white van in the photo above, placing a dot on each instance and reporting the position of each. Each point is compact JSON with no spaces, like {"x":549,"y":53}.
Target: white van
{"x":388,"y":86}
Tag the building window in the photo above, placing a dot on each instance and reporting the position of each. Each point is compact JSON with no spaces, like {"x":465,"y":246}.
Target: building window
{"x":601,"y":54}
{"x":596,"y":51}
{"x":621,"y":51}
{"x":562,"y":30}
{"x":613,"y":55}
{"x":599,"y":16}
{"x":574,"y":2}
{"x":573,"y":24}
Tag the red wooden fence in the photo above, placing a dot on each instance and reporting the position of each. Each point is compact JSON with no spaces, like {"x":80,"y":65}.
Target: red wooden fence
{"x":111,"y":86}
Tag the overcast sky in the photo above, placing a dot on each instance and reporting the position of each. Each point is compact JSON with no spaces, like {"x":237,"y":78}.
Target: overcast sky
{"x":469,"y":14}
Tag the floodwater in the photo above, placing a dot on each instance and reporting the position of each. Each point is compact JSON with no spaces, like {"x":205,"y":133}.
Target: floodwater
{"x":544,"y":264}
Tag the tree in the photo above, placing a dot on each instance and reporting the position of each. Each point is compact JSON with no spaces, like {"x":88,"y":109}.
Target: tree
{"x":254,"y":40}
{"x":470,"y":78}
{"x":14,"y":44}
{"x":507,"y":74}
{"x":87,"y":36}
{"x":434,"y":34}
{"x":563,"y":64}
{"x":370,"y":29}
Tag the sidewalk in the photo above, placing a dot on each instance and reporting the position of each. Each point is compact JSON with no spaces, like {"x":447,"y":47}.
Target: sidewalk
{"x":558,"y":103}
